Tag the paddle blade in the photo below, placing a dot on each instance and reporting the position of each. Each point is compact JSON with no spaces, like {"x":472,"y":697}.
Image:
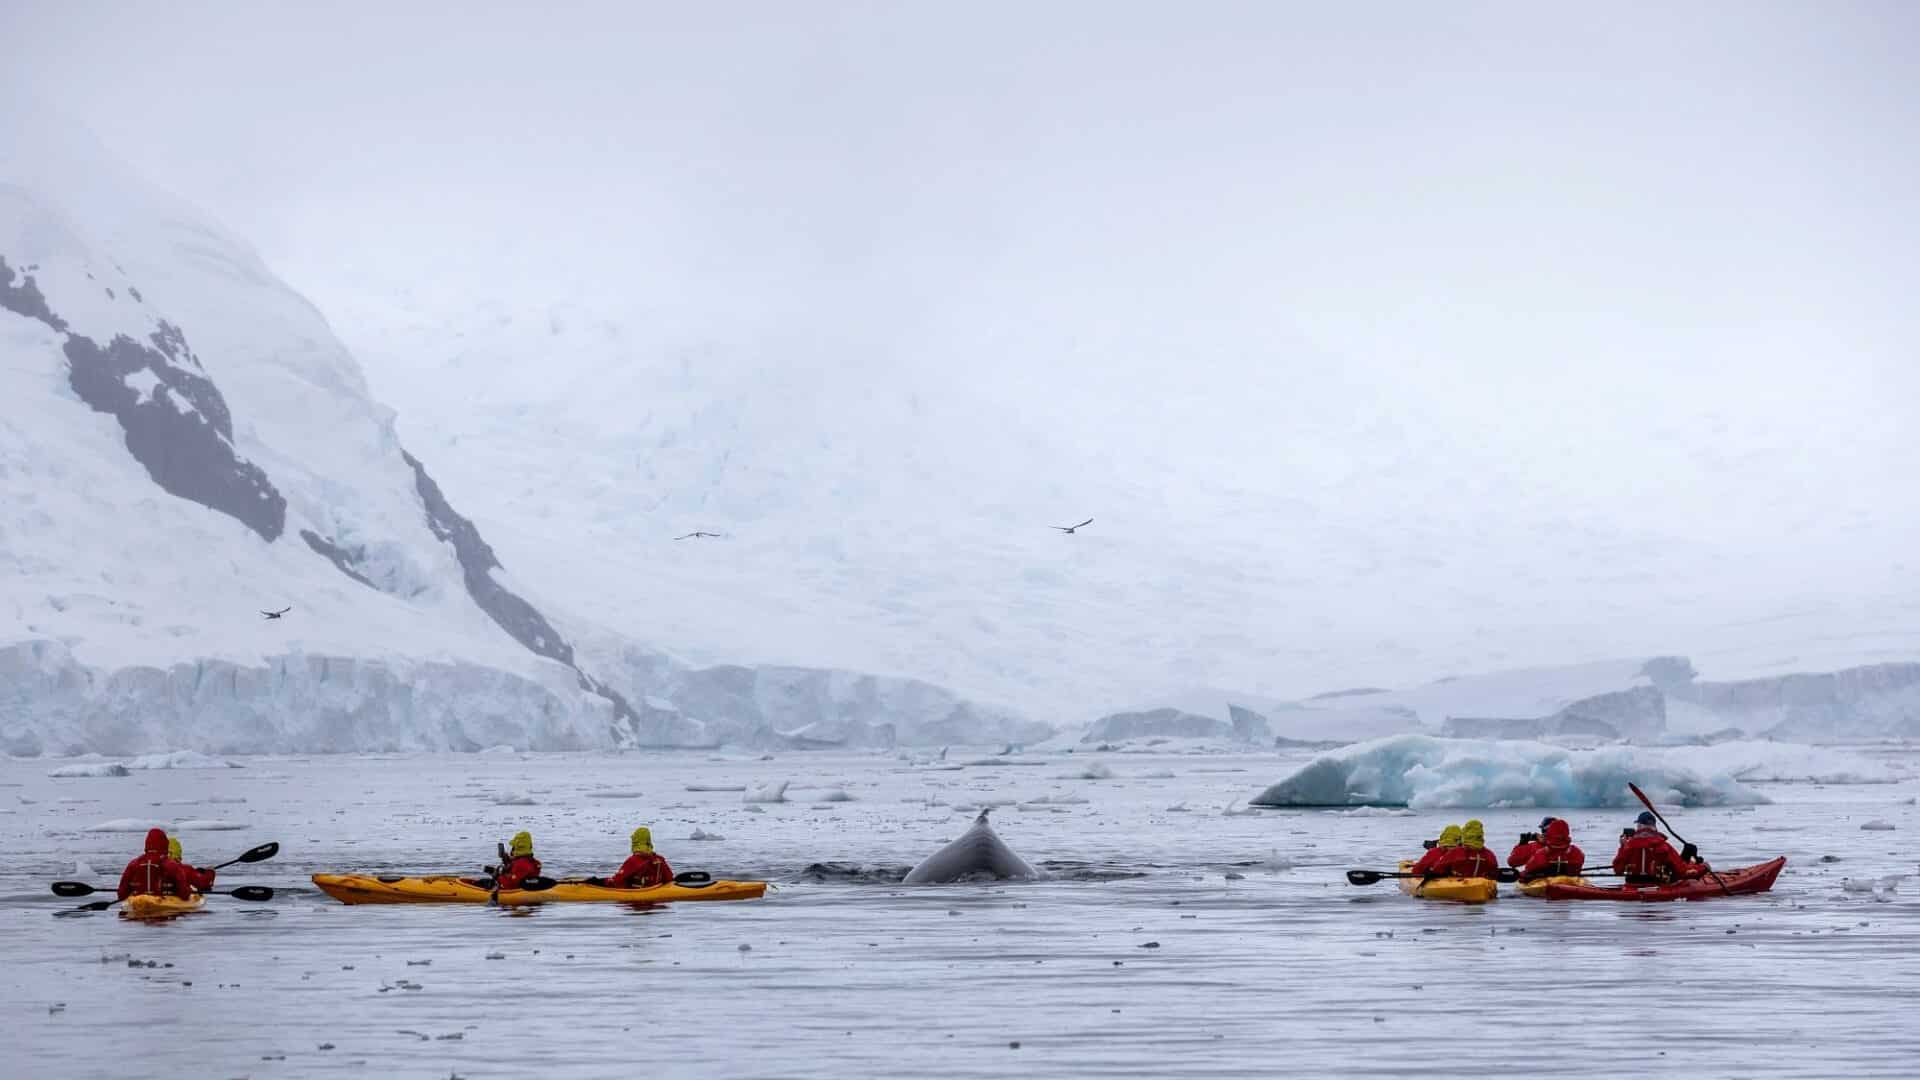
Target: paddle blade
{"x":74,"y":888}
{"x":1364,"y":877}
{"x":1507,"y":874}
{"x":261,"y":854}
{"x":252,"y":892}
{"x":1641,"y":795}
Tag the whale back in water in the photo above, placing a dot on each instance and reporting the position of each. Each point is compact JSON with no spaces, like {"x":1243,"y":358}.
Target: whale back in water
{"x":978,"y":852}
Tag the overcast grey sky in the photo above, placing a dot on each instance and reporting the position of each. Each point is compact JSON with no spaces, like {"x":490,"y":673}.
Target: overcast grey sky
{"x":1669,"y":251}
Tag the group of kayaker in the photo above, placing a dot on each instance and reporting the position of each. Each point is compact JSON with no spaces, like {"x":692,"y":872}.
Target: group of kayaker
{"x":645,"y":868}
{"x":159,"y":870}
{"x":1645,"y":856}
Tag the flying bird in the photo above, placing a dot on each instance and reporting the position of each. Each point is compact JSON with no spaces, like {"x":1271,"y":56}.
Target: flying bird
{"x":277,"y":614}
{"x":1071,"y":529}
{"x":698,"y":535}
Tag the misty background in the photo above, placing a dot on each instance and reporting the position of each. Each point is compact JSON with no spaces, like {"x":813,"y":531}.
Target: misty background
{"x":1381,"y":344}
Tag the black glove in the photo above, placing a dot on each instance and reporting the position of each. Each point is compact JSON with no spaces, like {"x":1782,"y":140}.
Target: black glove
{"x":1429,"y":844}
{"x":1626,"y":834}
{"x":1689,"y":854}
{"x":1529,"y":837}
{"x":490,"y":871}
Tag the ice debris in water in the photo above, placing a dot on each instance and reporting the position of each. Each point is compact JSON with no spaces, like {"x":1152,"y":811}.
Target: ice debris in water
{"x":180,"y":759}
{"x":1234,"y":809}
{"x":1876,"y":825}
{"x":1275,"y":862}
{"x":835,"y":795}
{"x":767,"y":793}
{"x":1422,"y":771}
{"x":515,"y":798}
{"x":89,"y":769}
{"x":1376,"y":811}
{"x":701,"y":834}
{"x":1095,"y":771}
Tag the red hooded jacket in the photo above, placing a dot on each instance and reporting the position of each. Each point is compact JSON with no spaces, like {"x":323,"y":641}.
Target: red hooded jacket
{"x":1646,"y":856}
{"x":1556,"y":854}
{"x":1466,"y":861}
{"x":1522,"y":852}
{"x":642,"y":870}
{"x":517,"y":870}
{"x":1429,"y":863}
{"x":151,"y":873}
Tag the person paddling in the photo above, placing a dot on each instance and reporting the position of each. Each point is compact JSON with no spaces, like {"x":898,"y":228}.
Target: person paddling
{"x":644,"y":869}
{"x":519,"y":865}
{"x":202,"y":879}
{"x":1646,"y":858}
{"x":1528,"y":845}
{"x":1556,"y":856}
{"x":1437,"y":852}
{"x":1471,"y":859}
{"x":152,"y":873}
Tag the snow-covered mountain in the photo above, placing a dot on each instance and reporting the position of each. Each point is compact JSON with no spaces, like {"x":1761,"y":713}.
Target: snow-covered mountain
{"x":183,"y":443}
{"x":1276,"y":524}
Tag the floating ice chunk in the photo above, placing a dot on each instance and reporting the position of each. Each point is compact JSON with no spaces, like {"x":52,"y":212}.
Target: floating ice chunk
{"x":716,"y":787}
{"x":1275,"y":862}
{"x":501,"y":748}
{"x":701,"y":834}
{"x":1876,"y":825}
{"x":1762,"y":762}
{"x":614,"y":795}
{"x":1057,"y":800}
{"x":767,"y":793}
{"x":1095,"y":771}
{"x":180,"y":759}
{"x":202,"y":825}
{"x":1421,"y":771}
{"x":89,"y":769}
{"x":835,"y":795}
{"x":515,"y":798}
{"x":1375,"y":811}
{"x":1857,"y":885}
{"x":125,"y":824}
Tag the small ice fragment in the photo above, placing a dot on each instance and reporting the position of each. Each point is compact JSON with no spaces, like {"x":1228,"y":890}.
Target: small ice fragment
{"x":1876,"y":825}
{"x":701,"y":834}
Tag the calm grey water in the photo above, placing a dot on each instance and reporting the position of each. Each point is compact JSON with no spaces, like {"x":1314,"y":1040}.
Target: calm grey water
{"x":1285,"y":971}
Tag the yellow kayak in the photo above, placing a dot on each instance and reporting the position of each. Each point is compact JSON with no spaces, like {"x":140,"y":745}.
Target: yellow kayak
{"x":1472,"y":890}
{"x":160,"y":907}
{"x":1538,"y":886}
{"x":450,"y":889}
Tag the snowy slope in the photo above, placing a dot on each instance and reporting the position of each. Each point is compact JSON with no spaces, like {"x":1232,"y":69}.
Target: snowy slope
{"x":184,"y":441}
{"x":1277,"y":523}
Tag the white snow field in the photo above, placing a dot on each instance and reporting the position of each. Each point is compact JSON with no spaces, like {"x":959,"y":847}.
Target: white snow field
{"x":185,"y":445}
{"x":1163,"y":943}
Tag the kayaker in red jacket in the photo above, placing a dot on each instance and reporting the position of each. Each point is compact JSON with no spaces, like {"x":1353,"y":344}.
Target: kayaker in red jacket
{"x":202,"y":879}
{"x":1440,"y":851}
{"x":1646,"y":858}
{"x":1529,"y":843}
{"x":1557,"y":856}
{"x":520,"y":864}
{"x":152,"y":873}
{"x":644,"y":868}
{"x":1471,"y":858}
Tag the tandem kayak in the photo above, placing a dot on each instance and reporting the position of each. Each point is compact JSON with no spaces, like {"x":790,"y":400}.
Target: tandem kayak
{"x":160,"y":907}
{"x":1538,"y":886}
{"x":449,"y":889}
{"x":1747,"y":879}
{"x":1466,"y":890}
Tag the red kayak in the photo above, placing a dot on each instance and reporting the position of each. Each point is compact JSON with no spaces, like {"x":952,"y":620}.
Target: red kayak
{"x":1747,"y":879}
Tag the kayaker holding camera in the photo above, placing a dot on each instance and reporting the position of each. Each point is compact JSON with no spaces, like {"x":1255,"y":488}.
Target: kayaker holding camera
{"x":1646,"y":858}
{"x":1554,"y":855}
{"x":517,"y":863}
{"x":1437,"y":852}
{"x":1528,"y":845}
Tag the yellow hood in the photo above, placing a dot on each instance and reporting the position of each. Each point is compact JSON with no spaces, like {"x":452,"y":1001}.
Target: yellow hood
{"x":642,"y":840}
{"x":173,"y":849}
{"x":522,"y":844}
{"x":1473,"y":834}
{"x":1450,"y":836}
